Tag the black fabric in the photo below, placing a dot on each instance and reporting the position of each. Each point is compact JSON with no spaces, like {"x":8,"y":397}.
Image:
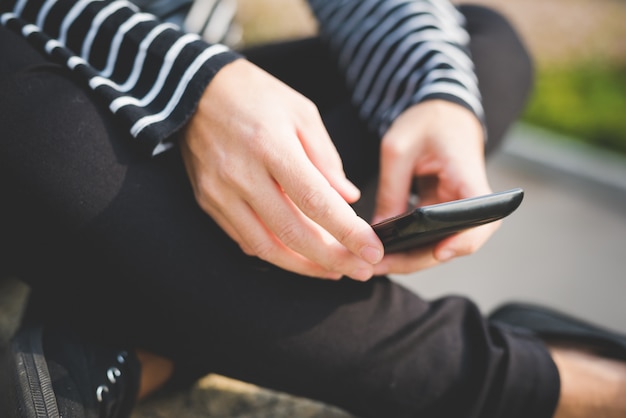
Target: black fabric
{"x":114,"y":245}
{"x":558,"y":326}
{"x":180,"y":81}
{"x":497,"y":53}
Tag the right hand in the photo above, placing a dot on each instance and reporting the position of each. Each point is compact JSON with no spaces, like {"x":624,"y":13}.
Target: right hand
{"x":264,"y":168}
{"x":441,"y":145}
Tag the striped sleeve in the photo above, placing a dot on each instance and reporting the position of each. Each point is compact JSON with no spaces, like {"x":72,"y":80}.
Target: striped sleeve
{"x":150,"y":74}
{"x":396,"y":53}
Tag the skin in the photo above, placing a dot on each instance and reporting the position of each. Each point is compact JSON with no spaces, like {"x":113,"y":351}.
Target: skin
{"x":591,"y":385}
{"x":447,"y":158}
{"x":155,"y":372}
{"x":264,"y":168}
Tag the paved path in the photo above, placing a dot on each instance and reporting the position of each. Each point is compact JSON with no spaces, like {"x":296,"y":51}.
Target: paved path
{"x":566,"y":244}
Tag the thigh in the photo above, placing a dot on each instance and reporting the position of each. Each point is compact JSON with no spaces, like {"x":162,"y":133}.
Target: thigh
{"x":76,"y":191}
{"x":307,"y":65}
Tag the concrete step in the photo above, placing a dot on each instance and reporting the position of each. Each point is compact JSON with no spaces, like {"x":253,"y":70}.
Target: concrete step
{"x":217,"y":396}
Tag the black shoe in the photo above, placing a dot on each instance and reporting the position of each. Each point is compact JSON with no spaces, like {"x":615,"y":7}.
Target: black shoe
{"x":53,"y":374}
{"x":550,"y":324}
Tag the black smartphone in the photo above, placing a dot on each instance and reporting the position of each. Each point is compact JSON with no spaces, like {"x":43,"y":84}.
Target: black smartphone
{"x":429,"y":224}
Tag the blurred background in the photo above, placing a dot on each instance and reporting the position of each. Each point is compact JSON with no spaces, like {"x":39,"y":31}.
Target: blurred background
{"x":566,"y":245}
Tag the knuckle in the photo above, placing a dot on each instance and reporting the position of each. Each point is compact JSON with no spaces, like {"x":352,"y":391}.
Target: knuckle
{"x":289,"y":234}
{"x":308,"y":105}
{"x":392,"y":149}
{"x":225,"y":172}
{"x":338,"y":261}
{"x":208,"y":189}
{"x":256,"y":137}
{"x":314,"y":205}
{"x":203,"y":195}
{"x":347,"y":233}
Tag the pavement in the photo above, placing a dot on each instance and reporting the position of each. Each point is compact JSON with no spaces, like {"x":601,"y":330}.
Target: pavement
{"x":565,"y":246}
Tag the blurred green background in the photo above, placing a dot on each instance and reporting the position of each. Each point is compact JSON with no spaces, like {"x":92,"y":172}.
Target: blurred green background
{"x":579,"y":47}
{"x":586,"y":102}
{"x":580,"y":55}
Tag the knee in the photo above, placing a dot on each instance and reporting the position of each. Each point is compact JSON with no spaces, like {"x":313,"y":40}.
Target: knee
{"x":503,"y":66}
{"x":493,"y":37}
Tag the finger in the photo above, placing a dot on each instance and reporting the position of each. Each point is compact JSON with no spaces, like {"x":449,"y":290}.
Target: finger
{"x":314,"y":197}
{"x":322,"y":152}
{"x":394,"y":183}
{"x":255,"y":239}
{"x":240,"y":222}
{"x":465,"y":243}
{"x":296,"y":231}
{"x":407,"y":262}
{"x":422,"y":258}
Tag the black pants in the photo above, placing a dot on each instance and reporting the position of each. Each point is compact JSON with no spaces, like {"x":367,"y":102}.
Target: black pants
{"x":114,"y":244}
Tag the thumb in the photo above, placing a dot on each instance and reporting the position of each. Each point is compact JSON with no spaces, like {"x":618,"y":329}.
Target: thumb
{"x":393,"y":186}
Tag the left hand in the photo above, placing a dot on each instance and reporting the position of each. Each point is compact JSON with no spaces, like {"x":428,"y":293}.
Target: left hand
{"x":442,"y":145}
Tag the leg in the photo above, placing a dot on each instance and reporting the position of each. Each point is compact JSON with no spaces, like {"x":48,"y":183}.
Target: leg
{"x":591,"y":385}
{"x":120,"y":241}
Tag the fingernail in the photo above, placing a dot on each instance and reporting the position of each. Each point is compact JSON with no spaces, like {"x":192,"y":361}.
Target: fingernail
{"x":446,"y":255}
{"x":371,"y":254}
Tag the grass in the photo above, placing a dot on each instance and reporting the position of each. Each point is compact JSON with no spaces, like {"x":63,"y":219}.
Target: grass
{"x":586,"y":102}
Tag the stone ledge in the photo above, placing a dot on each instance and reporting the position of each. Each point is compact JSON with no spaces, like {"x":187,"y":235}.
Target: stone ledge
{"x":216,"y":396}
{"x":13,"y":296}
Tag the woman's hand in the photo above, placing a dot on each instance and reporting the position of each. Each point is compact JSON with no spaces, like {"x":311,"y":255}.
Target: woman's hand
{"x":264,"y":168}
{"x":440,"y":144}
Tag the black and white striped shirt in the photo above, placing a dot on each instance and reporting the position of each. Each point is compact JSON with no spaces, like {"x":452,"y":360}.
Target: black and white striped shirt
{"x":394,"y":53}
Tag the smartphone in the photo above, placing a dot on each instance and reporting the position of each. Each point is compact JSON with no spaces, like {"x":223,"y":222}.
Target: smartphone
{"x":428,"y":224}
